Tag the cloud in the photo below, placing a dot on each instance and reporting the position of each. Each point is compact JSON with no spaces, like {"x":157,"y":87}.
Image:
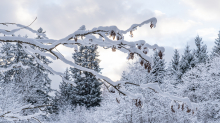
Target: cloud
{"x":113,"y":63}
{"x":210,"y":33}
{"x":158,"y":13}
{"x":204,"y":9}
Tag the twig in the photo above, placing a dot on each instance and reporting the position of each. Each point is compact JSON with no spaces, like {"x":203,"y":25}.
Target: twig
{"x":36,"y":119}
{"x":30,"y":24}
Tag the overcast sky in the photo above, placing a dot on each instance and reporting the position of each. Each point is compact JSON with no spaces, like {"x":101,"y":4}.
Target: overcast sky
{"x":179,"y":22}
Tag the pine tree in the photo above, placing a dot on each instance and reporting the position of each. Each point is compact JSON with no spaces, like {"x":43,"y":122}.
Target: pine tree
{"x":216,"y":49}
{"x":175,"y":62}
{"x":88,"y":86}
{"x":187,"y":61}
{"x":158,"y":68}
{"x":201,"y":52}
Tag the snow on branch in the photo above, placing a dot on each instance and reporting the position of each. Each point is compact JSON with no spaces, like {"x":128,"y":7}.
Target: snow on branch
{"x":25,"y":47}
{"x":107,"y":36}
{"x":13,"y":66}
{"x":155,"y":87}
{"x":15,"y":114}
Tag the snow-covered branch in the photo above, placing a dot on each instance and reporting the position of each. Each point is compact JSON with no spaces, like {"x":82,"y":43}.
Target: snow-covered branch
{"x":155,"y":87}
{"x":13,"y":66}
{"x":14,"y":114}
{"x":107,"y":35}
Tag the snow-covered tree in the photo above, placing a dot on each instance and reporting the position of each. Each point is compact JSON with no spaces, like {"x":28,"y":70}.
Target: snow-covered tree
{"x":175,"y":61}
{"x":65,"y":98}
{"x":216,"y":49}
{"x":187,"y":61}
{"x":32,"y":83}
{"x":200,"y":52}
{"x":173,"y":69}
{"x":158,"y":68}
{"x":87,"y":90}
{"x":201,"y":85}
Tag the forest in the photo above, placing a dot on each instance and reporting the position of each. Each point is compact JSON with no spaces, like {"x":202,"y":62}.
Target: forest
{"x":186,"y":90}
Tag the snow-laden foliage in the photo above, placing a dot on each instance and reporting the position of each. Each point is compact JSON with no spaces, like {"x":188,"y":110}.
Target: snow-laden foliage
{"x":172,"y":70}
{"x":87,"y":90}
{"x":28,"y":81}
{"x":201,"y":85}
{"x":200,"y":52}
{"x":65,"y":96}
{"x":187,"y":61}
{"x":175,"y":62}
{"x":216,"y":49}
{"x":116,"y":108}
{"x":158,"y":69}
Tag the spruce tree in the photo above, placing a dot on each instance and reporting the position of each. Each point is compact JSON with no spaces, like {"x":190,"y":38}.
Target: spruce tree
{"x":158,"y":68}
{"x":87,"y":91}
{"x":216,"y":49}
{"x":187,"y":61}
{"x":66,"y":95}
{"x":201,"y":51}
{"x":175,"y":62}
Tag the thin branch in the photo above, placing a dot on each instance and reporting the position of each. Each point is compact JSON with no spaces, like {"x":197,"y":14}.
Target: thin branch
{"x":32,"y":22}
{"x":7,"y":23}
{"x":36,"y":119}
{"x":36,"y":107}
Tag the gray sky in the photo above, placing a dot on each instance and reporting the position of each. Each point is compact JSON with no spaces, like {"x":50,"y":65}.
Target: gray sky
{"x":179,"y":22}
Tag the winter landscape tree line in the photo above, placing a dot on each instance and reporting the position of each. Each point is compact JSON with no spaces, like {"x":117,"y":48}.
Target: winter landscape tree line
{"x":147,"y":92}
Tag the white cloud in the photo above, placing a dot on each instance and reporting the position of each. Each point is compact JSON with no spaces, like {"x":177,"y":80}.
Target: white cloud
{"x":114,"y":63}
{"x":158,"y":13}
{"x":208,"y":32}
{"x":175,"y":25}
{"x":207,"y":10}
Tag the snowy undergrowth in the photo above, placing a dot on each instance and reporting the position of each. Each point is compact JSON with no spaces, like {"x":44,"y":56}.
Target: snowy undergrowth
{"x":200,"y":84}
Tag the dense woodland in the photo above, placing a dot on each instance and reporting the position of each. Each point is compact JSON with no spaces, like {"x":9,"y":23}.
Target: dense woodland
{"x":194,"y":74}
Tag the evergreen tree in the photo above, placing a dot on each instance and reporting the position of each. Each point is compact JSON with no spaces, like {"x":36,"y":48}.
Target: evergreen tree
{"x":88,"y":86}
{"x":65,"y":98}
{"x":200,"y":53}
{"x":175,"y":62}
{"x":216,"y":49}
{"x":33,"y":83}
{"x":124,"y":76}
{"x":158,"y":68}
{"x":187,"y":61}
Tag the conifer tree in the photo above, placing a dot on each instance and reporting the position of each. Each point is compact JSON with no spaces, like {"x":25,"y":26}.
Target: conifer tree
{"x":88,"y":86}
{"x":216,"y":49}
{"x":65,"y":97}
{"x":175,"y":62}
{"x":201,"y":51}
{"x":158,"y":68}
{"x":187,"y":61}
{"x":33,"y":83}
